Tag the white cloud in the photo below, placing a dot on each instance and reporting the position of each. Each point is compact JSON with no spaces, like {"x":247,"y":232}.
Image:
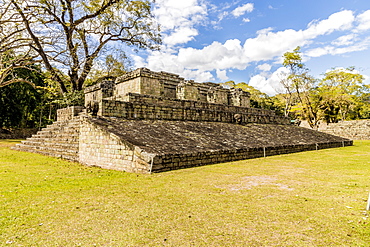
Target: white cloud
{"x":366,"y":79}
{"x":180,"y":36}
{"x":344,"y":40}
{"x":268,"y":44}
{"x":264,"y":67}
{"x":214,"y":56}
{"x":269,"y":84}
{"x":239,"y":11}
{"x":197,"y":75}
{"x":221,"y":74}
{"x":364,"y":21}
{"x":178,"y":18}
{"x":320,"y":51}
{"x":333,"y":50}
{"x":339,"y":21}
{"x":246,"y":20}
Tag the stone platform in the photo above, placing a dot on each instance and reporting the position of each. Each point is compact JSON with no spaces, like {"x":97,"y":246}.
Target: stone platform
{"x":148,"y":122}
{"x":146,"y":146}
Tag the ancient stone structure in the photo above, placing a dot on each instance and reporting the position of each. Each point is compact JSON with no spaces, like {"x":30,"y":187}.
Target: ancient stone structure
{"x":355,"y":130}
{"x":156,"y":121}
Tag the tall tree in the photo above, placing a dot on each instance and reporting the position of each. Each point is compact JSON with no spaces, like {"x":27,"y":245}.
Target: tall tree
{"x":300,"y":83}
{"x":70,"y":35}
{"x":340,"y":90}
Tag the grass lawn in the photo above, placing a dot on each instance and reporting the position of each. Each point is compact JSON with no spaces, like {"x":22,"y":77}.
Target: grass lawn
{"x":315,"y":198}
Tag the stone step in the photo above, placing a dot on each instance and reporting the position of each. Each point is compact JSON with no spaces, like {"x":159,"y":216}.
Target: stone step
{"x":60,"y":139}
{"x":73,"y":140}
{"x":58,"y":125}
{"x":44,"y":133}
{"x":55,"y":128}
{"x":69,"y":146}
{"x":56,"y":135}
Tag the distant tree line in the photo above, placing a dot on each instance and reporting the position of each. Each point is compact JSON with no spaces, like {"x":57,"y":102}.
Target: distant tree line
{"x":339,"y":95}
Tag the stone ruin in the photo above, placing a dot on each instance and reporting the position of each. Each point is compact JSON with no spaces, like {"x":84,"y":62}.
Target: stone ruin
{"x":149,"y":121}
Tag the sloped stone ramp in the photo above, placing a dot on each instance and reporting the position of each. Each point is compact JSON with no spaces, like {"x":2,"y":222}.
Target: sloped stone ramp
{"x":146,"y":146}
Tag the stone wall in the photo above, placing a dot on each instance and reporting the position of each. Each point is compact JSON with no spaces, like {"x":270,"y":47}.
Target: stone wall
{"x":355,"y":130}
{"x":146,"y":146}
{"x":69,"y":113}
{"x":180,"y":161}
{"x":100,"y":148}
{"x":167,"y":85}
{"x":138,"y":106}
{"x":99,"y":91}
{"x":144,"y":81}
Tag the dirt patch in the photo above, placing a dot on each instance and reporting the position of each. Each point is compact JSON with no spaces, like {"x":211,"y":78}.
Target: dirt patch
{"x":249,"y":182}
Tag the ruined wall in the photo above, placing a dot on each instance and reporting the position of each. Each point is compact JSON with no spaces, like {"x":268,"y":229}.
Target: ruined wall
{"x":168,"y":85}
{"x":186,"y":160}
{"x":69,"y":113}
{"x":100,"y":148}
{"x":144,"y":81}
{"x":187,"y":90}
{"x":354,"y":130}
{"x":99,"y":91}
{"x":238,"y":97}
{"x":138,"y":106}
{"x":181,"y":144}
{"x":216,"y":94}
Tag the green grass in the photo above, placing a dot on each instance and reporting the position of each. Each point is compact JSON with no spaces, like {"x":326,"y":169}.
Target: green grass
{"x":315,"y":198}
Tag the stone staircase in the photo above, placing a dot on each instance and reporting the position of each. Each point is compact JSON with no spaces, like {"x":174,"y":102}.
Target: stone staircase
{"x":60,"y":139}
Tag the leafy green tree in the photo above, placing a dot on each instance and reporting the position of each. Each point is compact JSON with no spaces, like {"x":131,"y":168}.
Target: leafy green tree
{"x":301,"y":84}
{"x":340,"y":91}
{"x":69,"y":36}
{"x":112,"y":67}
{"x":21,"y":104}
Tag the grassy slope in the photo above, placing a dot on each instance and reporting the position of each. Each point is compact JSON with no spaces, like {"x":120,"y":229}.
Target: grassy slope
{"x":314,"y":198}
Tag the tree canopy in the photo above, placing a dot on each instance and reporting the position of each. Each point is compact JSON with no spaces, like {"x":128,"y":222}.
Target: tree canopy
{"x":339,"y":95}
{"x":68,"y":36}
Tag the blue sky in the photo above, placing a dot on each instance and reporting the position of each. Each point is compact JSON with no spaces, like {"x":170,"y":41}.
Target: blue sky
{"x":243,"y":41}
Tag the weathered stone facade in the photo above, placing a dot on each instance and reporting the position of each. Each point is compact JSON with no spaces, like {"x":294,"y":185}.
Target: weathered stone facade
{"x":355,"y":130}
{"x":156,"y":121}
{"x":162,"y":84}
{"x":69,"y":113}
{"x":136,"y":106}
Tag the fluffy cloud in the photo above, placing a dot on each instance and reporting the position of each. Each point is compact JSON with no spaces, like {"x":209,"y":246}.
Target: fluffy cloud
{"x":221,"y":74}
{"x":178,"y":19}
{"x":364,"y":21}
{"x":264,"y":67}
{"x":213,"y":60}
{"x":269,"y":84}
{"x":339,"y":21}
{"x":214,"y":56}
{"x":344,"y":40}
{"x":239,"y":11}
{"x":363,"y":44}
